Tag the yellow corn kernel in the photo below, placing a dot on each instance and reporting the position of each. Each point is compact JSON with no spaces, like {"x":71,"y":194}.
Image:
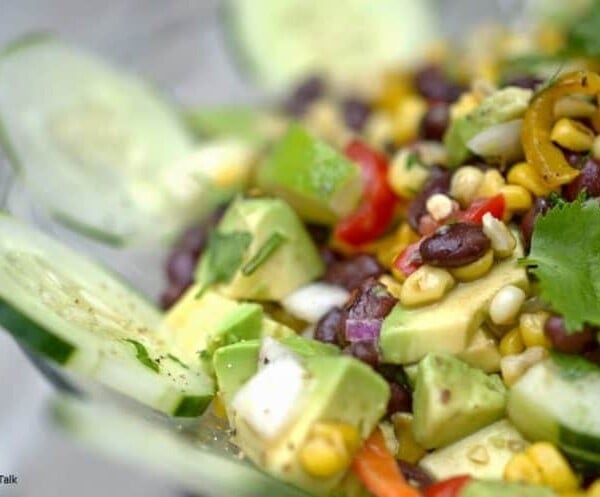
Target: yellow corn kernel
{"x":574,"y":493}
{"x":512,"y":343}
{"x":406,"y":174}
{"x":394,"y":88}
{"x":555,"y":470}
{"x":322,"y":459}
{"x":594,"y":489}
{"x":219,"y":407}
{"x":513,"y":367}
{"x":502,"y":240}
{"x":524,"y":175}
{"x":476,"y":269}
{"x":506,"y":304}
{"x":521,"y":468}
{"x":517,"y":198}
{"x":572,"y":135}
{"x":465,"y":104}
{"x":465,"y":184}
{"x":574,"y":107}
{"x":379,"y":130}
{"x":491,"y":184}
{"x":386,"y":249}
{"x":392,"y":284}
{"x":407,"y":118}
{"x":426,"y":285}
{"x":329,"y":448}
{"x":408,"y":448}
{"x":440,"y":206}
{"x":531,"y":326}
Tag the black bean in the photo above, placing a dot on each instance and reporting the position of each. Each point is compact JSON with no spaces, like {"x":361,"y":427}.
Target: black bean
{"x":593,"y":355}
{"x":304,"y":94}
{"x":525,"y":81}
{"x":330,"y":327}
{"x":319,"y":233}
{"x":400,"y":399}
{"x":365,"y":351}
{"x":328,"y":256}
{"x":355,"y":112}
{"x":528,"y":222}
{"x":435,"y":121}
{"x":572,"y":343}
{"x":438,"y":182}
{"x":394,"y":373}
{"x":180,"y":267}
{"x":454,"y":245}
{"x":588,"y":180}
{"x":370,"y":301}
{"x":415,"y":475}
{"x":351,"y":272}
{"x":172,"y":294}
{"x":433,"y":84}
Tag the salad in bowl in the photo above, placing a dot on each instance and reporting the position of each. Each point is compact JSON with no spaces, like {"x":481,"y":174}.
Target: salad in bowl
{"x":380,"y":286}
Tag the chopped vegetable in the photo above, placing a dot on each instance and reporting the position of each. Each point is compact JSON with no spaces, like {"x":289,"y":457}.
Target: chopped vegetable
{"x":448,"y":488}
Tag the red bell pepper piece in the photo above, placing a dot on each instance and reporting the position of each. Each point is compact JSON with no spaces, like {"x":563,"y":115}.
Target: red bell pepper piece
{"x":448,"y":488}
{"x":376,"y":212}
{"x":409,"y":260}
{"x":481,"y":206}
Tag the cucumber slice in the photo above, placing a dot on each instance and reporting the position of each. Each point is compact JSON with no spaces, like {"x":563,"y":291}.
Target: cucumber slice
{"x":72,"y":311}
{"x":94,"y":146}
{"x":557,"y":400}
{"x":198,"y":468}
{"x":282,"y":41}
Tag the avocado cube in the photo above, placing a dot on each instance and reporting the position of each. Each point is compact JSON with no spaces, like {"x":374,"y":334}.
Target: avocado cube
{"x":294,"y":262}
{"x":320,"y":183}
{"x":338,"y":389}
{"x":480,"y":488}
{"x":407,"y":334}
{"x":452,"y":400}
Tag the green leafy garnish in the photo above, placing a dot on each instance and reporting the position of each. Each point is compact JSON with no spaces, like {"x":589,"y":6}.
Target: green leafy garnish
{"x":412,"y":160}
{"x":143,"y":357}
{"x":267,"y":250}
{"x":583,"y":38}
{"x":565,"y":257}
{"x":223,"y":257}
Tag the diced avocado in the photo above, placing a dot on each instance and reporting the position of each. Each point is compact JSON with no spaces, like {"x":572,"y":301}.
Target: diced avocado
{"x":557,"y":400}
{"x":338,"y":389}
{"x":502,"y":106}
{"x":484,"y":454}
{"x":482,"y":352}
{"x":235,"y":364}
{"x":199,"y":324}
{"x":452,"y":400}
{"x":479,"y":488}
{"x":320,"y":183}
{"x":279,"y":256}
{"x":448,"y":326}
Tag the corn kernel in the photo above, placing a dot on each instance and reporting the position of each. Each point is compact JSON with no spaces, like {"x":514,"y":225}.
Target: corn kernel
{"x":322,"y":459}
{"x":574,"y":107}
{"x":379,"y":130}
{"x":333,"y":431}
{"x":395,"y":87}
{"x":502,"y":240}
{"x":408,"y":448}
{"x":465,"y":104}
{"x":324,"y":119}
{"x":594,"y":489}
{"x":514,"y":366}
{"x":219,"y":407}
{"x":439,"y":206}
{"x":407,"y":118}
{"x":431,"y":153}
{"x":386,"y":249}
{"x":524,"y":175}
{"x":520,"y":468}
{"x":406,"y":174}
{"x":555,"y":470}
{"x":572,"y":135}
{"x":512,"y":343}
{"x":531,"y":326}
{"x":596,"y":148}
{"x":465,"y":184}
{"x":476,"y":269}
{"x":506,"y":304}
{"x":491,"y":184}
{"x":517,"y":198}
{"x":426,"y":285}
{"x":574,"y":493}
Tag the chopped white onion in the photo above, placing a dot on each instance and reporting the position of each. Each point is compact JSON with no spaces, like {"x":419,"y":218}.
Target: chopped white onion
{"x":271,"y":350}
{"x":501,"y":141}
{"x":268,"y":400}
{"x":311,"y":302}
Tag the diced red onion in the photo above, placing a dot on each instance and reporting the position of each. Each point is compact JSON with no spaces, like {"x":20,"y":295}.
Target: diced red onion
{"x":362,"y":329}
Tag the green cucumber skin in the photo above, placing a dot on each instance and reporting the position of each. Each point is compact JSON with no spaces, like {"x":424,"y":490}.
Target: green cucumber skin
{"x":33,"y":336}
{"x":192,"y":406}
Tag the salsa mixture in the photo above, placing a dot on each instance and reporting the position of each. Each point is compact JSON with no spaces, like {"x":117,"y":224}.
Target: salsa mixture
{"x":397,"y":294}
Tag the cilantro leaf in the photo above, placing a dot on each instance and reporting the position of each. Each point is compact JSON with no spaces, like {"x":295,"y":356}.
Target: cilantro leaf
{"x":223,"y":257}
{"x":143,"y":356}
{"x":262,"y":255}
{"x":565,"y":256}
